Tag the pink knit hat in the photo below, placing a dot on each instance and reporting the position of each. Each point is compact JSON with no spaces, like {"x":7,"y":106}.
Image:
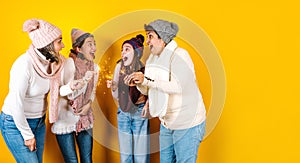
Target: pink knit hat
{"x":78,"y":36}
{"x":41,"y":33}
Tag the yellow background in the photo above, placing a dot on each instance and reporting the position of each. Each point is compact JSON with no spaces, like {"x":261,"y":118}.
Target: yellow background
{"x":258,"y":43}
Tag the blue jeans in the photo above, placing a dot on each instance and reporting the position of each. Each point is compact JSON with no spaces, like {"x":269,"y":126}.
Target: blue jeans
{"x":15,"y":142}
{"x":133,"y":131}
{"x":180,"y":145}
{"x":67,"y":146}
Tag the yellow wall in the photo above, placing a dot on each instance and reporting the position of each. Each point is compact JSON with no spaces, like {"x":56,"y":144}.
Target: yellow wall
{"x":258,"y":43}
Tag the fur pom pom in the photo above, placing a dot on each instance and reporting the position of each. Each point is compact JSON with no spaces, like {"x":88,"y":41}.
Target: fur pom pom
{"x":31,"y":25}
{"x":140,"y":38}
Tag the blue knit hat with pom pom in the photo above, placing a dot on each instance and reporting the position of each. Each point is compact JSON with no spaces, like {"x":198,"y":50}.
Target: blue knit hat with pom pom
{"x":137,"y":44}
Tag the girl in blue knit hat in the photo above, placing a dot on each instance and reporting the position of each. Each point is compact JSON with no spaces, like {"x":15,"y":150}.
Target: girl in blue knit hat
{"x":133,"y":126}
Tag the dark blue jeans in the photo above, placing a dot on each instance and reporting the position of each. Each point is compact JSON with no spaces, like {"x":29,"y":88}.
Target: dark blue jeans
{"x":84,"y":141}
{"x":15,"y":142}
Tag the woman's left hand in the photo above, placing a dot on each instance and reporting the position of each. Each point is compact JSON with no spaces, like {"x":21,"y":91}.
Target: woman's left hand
{"x":134,"y":78}
{"x":31,"y":144}
{"x":128,"y":80}
{"x":88,"y":75}
{"x":84,"y":110}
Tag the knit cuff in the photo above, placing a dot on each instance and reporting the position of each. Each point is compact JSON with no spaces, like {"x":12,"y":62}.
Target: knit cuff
{"x":147,"y":81}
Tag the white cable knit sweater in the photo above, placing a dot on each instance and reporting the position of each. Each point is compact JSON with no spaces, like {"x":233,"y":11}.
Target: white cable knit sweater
{"x":27,"y":96}
{"x":180,"y":97}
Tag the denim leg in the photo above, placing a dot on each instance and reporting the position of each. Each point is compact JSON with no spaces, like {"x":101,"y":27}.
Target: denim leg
{"x":125,"y":137}
{"x":85,"y":144}
{"x":15,"y":141}
{"x":167,"y":153}
{"x":141,"y":138}
{"x":187,"y":142}
{"x":67,"y":147}
{"x":39,"y":130}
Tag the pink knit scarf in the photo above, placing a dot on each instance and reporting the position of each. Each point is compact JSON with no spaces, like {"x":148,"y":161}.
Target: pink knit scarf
{"x":82,"y":67}
{"x":54,"y":77}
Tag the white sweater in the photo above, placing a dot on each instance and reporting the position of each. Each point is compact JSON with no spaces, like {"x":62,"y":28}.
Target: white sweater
{"x":27,"y":96}
{"x":67,"y":120}
{"x":181,"y":96}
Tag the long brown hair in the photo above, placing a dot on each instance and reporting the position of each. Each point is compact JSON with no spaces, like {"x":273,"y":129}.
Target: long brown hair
{"x":49,"y":52}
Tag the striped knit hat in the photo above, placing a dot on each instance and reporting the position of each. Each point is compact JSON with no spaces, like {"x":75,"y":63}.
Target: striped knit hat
{"x":78,"y":36}
{"x":137,"y":44}
{"x":41,"y":32}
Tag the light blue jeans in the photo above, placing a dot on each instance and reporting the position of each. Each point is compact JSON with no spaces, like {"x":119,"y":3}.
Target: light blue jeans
{"x":67,"y":146}
{"x":180,"y":146}
{"x":134,"y":139}
{"x":15,"y":141}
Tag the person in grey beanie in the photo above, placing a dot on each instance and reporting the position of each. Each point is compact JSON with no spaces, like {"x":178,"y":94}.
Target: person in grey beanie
{"x":174,"y":97}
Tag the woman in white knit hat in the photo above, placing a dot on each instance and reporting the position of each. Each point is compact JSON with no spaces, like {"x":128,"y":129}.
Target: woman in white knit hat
{"x":32,"y":76}
{"x":75,"y":118}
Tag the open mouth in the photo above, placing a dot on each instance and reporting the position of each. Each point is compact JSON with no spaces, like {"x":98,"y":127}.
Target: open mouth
{"x":93,"y":55}
{"x":151,"y":46}
{"x":125,"y":59}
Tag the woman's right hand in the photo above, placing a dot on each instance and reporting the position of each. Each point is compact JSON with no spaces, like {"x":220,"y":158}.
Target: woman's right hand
{"x":31,"y":144}
{"x":108,"y":83}
{"x":111,"y":84}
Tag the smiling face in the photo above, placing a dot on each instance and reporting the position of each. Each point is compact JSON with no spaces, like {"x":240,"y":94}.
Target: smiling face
{"x":155,"y":43}
{"x":58,"y":45}
{"x":127,"y":54}
{"x":88,"y":48}
{"x":51,"y":51}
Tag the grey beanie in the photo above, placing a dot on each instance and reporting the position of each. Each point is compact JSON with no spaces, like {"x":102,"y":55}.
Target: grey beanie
{"x":166,"y":30}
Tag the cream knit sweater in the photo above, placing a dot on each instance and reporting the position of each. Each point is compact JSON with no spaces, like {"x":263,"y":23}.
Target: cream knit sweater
{"x":27,"y":96}
{"x":180,"y":97}
{"x":67,"y":120}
